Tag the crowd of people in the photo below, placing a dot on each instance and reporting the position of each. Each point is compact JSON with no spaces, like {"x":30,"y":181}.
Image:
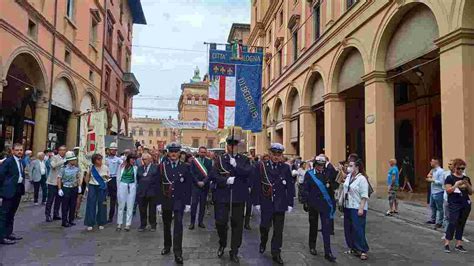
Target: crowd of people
{"x":173,"y":182}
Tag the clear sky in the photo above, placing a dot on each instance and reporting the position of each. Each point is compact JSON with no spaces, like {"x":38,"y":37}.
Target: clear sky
{"x":168,"y":49}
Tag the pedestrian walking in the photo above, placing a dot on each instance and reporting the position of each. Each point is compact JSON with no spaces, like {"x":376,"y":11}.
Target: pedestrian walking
{"x":407,"y":173}
{"x":113,"y":162}
{"x":318,"y":200}
{"x":436,"y":178}
{"x":232,"y":172}
{"x":300,"y":179}
{"x":356,"y":195}
{"x":147,"y":192}
{"x":445,"y":198}
{"x":56,"y":163}
{"x":392,"y":183}
{"x":69,"y":178}
{"x":38,"y":176}
{"x":201,"y":170}
{"x":127,"y":191}
{"x":29,"y":188}
{"x":175,"y":181}
{"x":459,"y":188}
{"x":274,"y":196}
{"x":96,"y":205}
{"x":12,"y":188}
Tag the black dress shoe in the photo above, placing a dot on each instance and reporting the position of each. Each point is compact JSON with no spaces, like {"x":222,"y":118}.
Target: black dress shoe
{"x":277,"y":259}
{"x":313,"y":251}
{"x":233,"y":257}
{"x":14,"y":237}
{"x":262,"y":248}
{"x":66,"y":225}
{"x":57,"y":218}
{"x":247,"y":227}
{"x":141,"y":229}
{"x":72,"y":224}
{"x":201,"y":225}
{"x":178,"y":259}
{"x":49,"y":219}
{"x":6,"y":241}
{"x":109,"y":221}
{"x":220,"y":251}
{"x":165,"y":251}
{"x":191,"y":227}
{"x":329,"y":257}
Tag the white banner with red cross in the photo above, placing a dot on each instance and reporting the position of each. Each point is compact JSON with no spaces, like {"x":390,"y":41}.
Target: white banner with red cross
{"x":221,"y":108}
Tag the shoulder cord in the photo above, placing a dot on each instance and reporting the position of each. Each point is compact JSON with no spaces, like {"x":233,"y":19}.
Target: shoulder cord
{"x":266,"y":185}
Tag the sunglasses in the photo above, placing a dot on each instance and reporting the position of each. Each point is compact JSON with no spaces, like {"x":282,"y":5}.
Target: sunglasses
{"x":461,"y":168}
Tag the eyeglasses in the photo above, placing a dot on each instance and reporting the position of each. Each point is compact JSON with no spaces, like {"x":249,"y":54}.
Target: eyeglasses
{"x":461,"y":168}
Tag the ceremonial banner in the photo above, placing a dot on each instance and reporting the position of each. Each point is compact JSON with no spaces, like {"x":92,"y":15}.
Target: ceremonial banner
{"x":92,"y":136}
{"x":235,"y":93}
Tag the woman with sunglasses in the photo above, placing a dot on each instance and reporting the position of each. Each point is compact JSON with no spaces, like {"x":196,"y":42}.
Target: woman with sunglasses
{"x":459,"y":188}
{"x":356,"y":194}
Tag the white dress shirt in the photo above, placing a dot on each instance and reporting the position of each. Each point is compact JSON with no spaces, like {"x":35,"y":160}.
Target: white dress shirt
{"x":20,"y":174}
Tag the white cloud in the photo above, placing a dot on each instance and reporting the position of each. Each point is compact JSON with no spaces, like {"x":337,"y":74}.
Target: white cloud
{"x":195,"y":20}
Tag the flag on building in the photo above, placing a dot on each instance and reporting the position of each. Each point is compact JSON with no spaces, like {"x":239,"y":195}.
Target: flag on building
{"x":235,"y":89}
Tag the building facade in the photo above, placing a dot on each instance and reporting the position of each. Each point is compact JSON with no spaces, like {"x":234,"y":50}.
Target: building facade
{"x":369,"y":77}
{"x":51,"y":63}
{"x":192,"y":106}
{"x":152,"y":133}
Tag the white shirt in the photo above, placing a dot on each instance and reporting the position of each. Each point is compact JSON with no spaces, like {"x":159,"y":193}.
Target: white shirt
{"x":18,"y":164}
{"x":42,"y":167}
{"x":359,"y":189}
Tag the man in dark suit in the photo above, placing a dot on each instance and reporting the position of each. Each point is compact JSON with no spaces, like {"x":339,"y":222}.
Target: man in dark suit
{"x":175,"y":199}
{"x":232,"y":171}
{"x":147,"y":192}
{"x":201,"y":170}
{"x":12,"y":187}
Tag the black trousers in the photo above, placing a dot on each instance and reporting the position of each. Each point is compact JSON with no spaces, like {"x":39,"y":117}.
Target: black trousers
{"x":44,"y":189}
{"x":8,"y":210}
{"x":167,"y":216}
{"x":68,"y":204}
{"x":147,"y":206}
{"x":278,"y":221}
{"x":112,"y":192}
{"x":248,"y":212}
{"x":326,"y":229}
{"x":53,"y":197}
{"x":236,"y":221}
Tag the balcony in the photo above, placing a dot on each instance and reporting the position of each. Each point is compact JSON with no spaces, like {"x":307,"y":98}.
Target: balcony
{"x":131,"y":84}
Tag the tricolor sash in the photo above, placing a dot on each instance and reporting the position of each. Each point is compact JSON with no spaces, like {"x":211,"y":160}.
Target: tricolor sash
{"x":200,"y":166}
{"x":325,"y":193}
{"x":98,"y":178}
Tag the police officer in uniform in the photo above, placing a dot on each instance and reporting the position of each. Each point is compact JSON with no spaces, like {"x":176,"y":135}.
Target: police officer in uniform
{"x":318,"y":201}
{"x":174,"y":199}
{"x":113,"y":162}
{"x":274,"y":194}
{"x":231,"y":177}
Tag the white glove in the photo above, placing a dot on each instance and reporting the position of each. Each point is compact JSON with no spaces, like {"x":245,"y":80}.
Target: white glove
{"x":230,"y":180}
{"x":60,"y":193}
{"x":79,"y":190}
{"x":187,"y":208}
{"x":290,"y":209}
{"x":158,"y":208}
{"x":233,"y":162}
{"x":258,"y":208}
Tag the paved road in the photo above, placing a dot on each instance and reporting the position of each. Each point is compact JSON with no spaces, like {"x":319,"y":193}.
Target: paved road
{"x":392,"y":242}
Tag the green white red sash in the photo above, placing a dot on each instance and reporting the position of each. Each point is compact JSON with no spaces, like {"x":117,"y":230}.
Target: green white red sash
{"x":200,"y":166}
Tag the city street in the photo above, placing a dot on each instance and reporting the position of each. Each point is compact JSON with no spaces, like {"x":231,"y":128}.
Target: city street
{"x":391,"y":240}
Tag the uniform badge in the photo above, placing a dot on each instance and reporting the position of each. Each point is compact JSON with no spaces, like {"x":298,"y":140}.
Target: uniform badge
{"x":284,"y":182}
{"x":327,"y":185}
{"x":181,"y":180}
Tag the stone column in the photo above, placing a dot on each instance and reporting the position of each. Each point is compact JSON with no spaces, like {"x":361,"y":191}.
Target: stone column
{"x":457,"y":96}
{"x":335,"y":127}
{"x":307,"y":132}
{"x":289,"y":149}
{"x":379,"y":125}
{"x":71,"y":137}
{"x":40,"y":137}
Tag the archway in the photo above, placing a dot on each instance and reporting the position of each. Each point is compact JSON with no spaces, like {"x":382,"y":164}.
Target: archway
{"x":351,"y":87}
{"x":410,"y":57}
{"x":278,"y":121}
{"x":114,"y":126}
{"x":123,"y":127}
{"x":293,"y":105}
{"x":314,"y":97}
{"x":25,"y":85}
{"x":267,"y":119}
{"x":62,"y":106}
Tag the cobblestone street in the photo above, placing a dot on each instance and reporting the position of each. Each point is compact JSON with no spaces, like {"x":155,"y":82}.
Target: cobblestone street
{"x":392,"y":242}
